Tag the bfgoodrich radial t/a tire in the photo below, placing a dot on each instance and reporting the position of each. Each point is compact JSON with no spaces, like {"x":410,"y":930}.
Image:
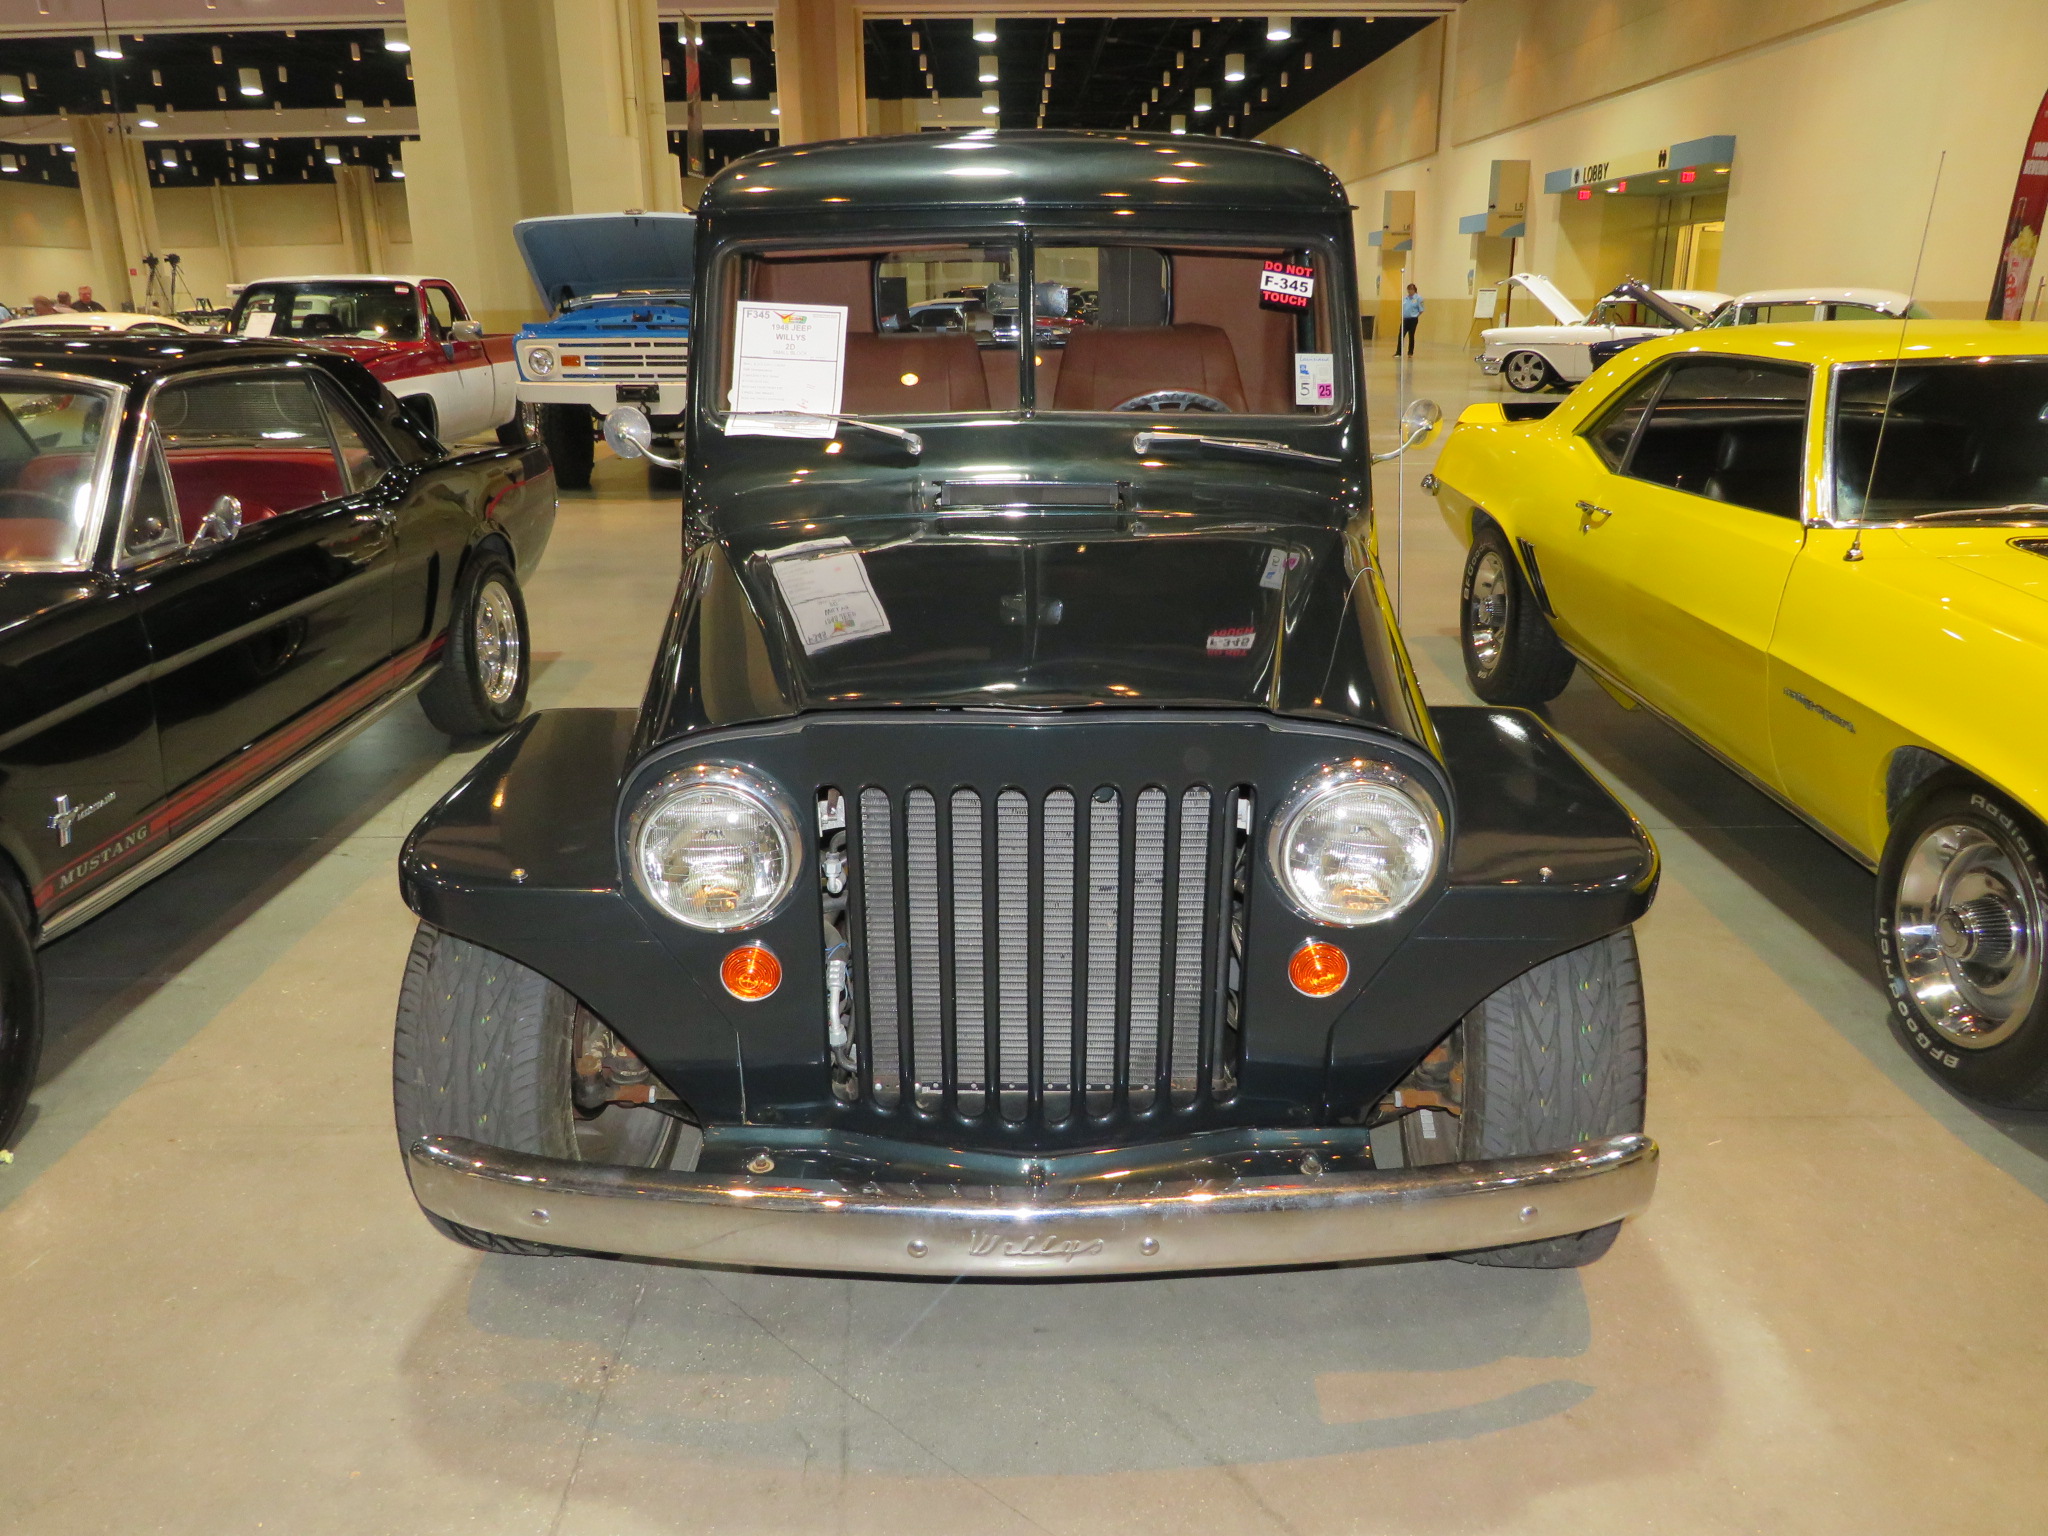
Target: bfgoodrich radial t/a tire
{"x":481,"y":687}
{"x":1512,"y":655}
{"x":1554,"y":1058}
{"x":21,"y":1014}
{"x":1962,"y":928}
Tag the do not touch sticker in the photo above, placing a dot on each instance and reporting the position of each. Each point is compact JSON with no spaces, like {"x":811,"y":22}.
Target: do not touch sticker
{"x":1232,"y":642}
{"x":1283,"y":285}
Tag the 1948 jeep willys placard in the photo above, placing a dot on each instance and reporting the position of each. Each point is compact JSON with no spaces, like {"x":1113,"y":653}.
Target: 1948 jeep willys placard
{"x":1033,"y":855}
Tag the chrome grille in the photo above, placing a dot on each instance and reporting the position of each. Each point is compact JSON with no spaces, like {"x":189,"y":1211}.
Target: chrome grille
{"x":655,"y":358}
{"x":1035,"y":950}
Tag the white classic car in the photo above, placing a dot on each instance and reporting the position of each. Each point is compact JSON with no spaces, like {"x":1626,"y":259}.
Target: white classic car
{"x":99,"y":321}
{"x":1772,"y":306}
{"x":1533,"y":357}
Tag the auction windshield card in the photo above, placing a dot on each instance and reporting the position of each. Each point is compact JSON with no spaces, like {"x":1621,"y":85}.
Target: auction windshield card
{"x":787,"y":358}
{"x":1315,"y":378}
{"x":829,"y":595}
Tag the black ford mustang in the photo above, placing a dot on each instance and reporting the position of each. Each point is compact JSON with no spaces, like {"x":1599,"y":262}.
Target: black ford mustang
{"x":218,"y":561}
{"x":1033,"y":854}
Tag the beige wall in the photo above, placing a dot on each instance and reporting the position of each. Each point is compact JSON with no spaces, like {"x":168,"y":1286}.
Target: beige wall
{"x":1840,"y":113}
{"x":272,"y":231}
{"x":43,"y":241}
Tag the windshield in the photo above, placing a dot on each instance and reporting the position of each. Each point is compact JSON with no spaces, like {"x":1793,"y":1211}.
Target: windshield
{"x":1146,"y":327}
{"x":369,"y":311}
{"x":1940,"y":437}
{"x":51,"y":446}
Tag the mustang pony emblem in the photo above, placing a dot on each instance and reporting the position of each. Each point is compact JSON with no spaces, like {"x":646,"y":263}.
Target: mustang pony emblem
{"x":1040,"y":1245}
{"x":66,"y":817}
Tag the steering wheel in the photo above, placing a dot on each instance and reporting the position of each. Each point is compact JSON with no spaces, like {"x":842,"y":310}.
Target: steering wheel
{"x":1174,"y":400}
{"x":33,"y":504}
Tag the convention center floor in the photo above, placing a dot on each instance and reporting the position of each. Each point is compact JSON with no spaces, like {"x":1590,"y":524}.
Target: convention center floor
{"x":220,"y":1311}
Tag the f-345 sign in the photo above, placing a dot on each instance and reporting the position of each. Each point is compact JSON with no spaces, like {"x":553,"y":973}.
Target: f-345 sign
{"x":1283,"y":285}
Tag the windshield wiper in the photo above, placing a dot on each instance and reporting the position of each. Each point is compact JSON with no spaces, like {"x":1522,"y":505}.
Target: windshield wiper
{"x":908,"y":439}
{"x":1960,"y":512}
{"x":1250,"y":447}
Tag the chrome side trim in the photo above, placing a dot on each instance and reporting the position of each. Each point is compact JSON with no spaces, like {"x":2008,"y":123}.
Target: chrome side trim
{"x":1609,"y":680}
{"x":1021,"y":1233}
{"x":197,"y":836}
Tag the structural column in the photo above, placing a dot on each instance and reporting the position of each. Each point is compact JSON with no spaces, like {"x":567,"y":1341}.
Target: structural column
{"x":529,"y":108}
{"x":120,"y":215}
{"x":820,"y":70}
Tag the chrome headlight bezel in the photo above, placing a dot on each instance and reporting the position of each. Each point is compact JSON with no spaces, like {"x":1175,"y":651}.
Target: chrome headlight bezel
{"x":1316,"y":790}
{"x":753,"y":788}
{"x":536,"y":361}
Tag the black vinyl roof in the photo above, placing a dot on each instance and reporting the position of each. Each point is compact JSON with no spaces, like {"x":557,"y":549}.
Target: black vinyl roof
{"x":1025,"y":168}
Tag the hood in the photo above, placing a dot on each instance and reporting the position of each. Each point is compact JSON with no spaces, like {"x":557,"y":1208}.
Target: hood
{"x":580,"y":254}
{"x":1657,"y":303}
{"x":1546,"y":293}
{"x":2013,"y":557}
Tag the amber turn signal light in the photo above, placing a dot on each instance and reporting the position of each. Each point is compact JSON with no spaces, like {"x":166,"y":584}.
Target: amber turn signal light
{"x":750,"y":973}
{"x":1317,"y":969}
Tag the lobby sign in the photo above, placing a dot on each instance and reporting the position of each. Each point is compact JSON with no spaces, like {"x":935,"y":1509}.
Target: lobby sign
{"x":2022,"y":226}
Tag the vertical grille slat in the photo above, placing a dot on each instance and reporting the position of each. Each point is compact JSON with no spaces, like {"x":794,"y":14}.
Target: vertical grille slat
{"x":1026,"y":957}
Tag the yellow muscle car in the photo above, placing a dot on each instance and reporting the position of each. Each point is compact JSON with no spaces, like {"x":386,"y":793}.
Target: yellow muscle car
{"x":1821,"y":551}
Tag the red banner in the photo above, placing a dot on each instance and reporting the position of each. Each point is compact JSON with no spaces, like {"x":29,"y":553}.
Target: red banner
{"x":2023,"y":226}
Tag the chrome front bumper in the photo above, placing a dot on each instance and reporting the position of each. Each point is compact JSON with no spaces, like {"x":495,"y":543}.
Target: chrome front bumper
{"x":1016,"y":1232}
{"x":1487,"y":362}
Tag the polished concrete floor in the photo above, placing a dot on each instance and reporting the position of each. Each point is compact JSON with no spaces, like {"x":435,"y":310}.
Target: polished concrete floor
{"x":220,"y":1312}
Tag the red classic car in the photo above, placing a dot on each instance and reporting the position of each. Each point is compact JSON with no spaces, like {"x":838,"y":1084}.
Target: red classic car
{"x":413,"y":333}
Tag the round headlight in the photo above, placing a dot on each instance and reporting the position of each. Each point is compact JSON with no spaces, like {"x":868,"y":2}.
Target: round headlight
{"x":1356,"y":843}
{"x":716,"y":846}
{"x":540,"y":362}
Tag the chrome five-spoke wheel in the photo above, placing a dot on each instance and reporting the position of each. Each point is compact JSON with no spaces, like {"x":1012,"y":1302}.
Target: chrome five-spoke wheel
{"x":1969,"y":925}
{"x":1526,"y":371}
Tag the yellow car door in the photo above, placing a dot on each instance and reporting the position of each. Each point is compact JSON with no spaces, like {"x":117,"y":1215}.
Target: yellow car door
{"x":1561,"y":521}
{"x":1706,"y":532}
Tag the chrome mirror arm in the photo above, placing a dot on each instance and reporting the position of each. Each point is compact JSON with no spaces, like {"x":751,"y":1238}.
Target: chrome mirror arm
{"x":723,"y":421}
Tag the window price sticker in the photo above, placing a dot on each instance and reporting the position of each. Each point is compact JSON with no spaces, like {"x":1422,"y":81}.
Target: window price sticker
{"x":1315,"y":378}
{"x":1283,"y":285}
{"x":828,"y":592}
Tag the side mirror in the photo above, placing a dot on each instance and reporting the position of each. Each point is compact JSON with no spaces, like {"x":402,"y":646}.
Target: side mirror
{"x":631,"y":436}
{"x":467,"y":330}
{"x":222,"y":522}
{"x":1418,"y":423}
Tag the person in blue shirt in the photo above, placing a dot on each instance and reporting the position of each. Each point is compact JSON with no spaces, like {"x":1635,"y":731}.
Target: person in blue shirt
{"x":1411,"y":316}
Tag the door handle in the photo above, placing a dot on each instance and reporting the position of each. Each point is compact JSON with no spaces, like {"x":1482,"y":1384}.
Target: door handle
{"x":1591,"y":516}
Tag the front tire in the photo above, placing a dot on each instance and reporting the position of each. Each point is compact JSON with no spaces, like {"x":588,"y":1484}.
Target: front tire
{"x":1554,"y":1058}
{"x":484,"y":1049}
{"x":566,"y":430}
{"x":1527,"y":372}
{"x":481,"y":687}
{"x":21,"y":1015}
{"x":1512,"y":655}
{"x":1962,"y":928}
{"x":518,"y":432}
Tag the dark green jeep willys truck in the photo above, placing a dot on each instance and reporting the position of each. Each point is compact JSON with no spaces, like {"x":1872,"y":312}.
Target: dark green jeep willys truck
{"x":1033,"y":855}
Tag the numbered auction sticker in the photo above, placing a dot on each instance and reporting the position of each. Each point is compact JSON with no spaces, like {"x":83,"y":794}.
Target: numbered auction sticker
{"x":828,"y":593}
{"x":1283,"y":285}
{"x":1231,"y":642}
{"x":1315,"y":378}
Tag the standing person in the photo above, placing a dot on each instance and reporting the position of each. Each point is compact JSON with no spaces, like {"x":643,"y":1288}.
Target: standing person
{"x":1411,"y":316}
{"x":64,"y":306}
{"x":87,"y":302}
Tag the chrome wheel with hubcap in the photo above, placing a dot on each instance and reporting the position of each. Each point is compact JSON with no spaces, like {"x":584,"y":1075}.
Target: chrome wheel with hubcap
{"x":1969,"y":927}
{"x":1486,"y":611}
{"x":1525,"y":371}
{"x":499,"y":644}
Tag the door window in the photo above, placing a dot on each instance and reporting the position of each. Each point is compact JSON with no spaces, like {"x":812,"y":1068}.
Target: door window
{"x":153,"y":519}
{"x":1612,"y":435}
{"x":52,"y":441}
{"x":259,"y":437}
{"x":1729,"y":429}
{"x":441,"y":309}
{"x":362,"y":465}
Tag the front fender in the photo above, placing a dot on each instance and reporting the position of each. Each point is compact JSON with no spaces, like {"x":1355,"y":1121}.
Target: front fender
{"x":521,"y":858}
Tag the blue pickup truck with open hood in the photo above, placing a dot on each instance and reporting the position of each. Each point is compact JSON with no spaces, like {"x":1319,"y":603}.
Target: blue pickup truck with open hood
{"x":617,"y":287}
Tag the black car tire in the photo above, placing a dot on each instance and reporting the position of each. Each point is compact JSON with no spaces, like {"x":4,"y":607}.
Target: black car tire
{"x":481,"y":1051}
{"x":517,"y":432}
{"x":423,"y":412}
{"x":21,"y":1014}
{"x":1962,"y":909}
{"x":1512,"y":655}
{"x":566,"y":430}
{"x":1528,"y":373}
{"x":1554,"y":1058}
{"x":481,"y":687}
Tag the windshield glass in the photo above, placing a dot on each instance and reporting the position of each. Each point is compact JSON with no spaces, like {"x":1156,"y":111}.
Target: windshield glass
{"x":367,"y":310}
{"x":1940,"y":437}
{"x":51,"y":445}
{"x":1176,"y":328}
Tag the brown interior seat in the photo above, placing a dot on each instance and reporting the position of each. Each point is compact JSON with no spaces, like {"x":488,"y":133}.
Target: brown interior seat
{"x":914,"y":373}
{"x":1105,"y":365}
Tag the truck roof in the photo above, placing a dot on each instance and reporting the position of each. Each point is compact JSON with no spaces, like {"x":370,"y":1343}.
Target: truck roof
{"x":1024,"y":168}
{"x":350,"y":277}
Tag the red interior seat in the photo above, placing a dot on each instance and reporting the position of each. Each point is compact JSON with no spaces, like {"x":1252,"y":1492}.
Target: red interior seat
{"x":35,"y":538}
{"x":51,"y":474}
{"x":266,"y":481}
